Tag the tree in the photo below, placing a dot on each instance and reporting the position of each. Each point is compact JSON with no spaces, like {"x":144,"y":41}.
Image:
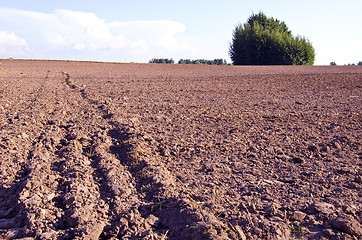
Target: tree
{"x":333,"y":63}
{"x":268,"y":41}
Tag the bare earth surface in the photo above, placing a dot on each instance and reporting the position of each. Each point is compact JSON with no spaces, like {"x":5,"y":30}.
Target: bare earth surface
{"x":141,"y":151}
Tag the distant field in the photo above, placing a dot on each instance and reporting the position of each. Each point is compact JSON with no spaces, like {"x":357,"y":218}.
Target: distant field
{"x":155,"y":151}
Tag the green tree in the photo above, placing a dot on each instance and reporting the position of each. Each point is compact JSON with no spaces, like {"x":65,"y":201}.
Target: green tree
{"x":268,"y":41}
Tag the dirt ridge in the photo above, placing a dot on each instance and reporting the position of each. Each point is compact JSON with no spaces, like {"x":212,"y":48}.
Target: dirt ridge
{"x":149,"y":177}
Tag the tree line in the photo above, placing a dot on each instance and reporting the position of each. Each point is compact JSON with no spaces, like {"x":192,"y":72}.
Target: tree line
{"x":162,"y":60}
{"x":190,"y":61}
{"x":349,"y":64}
{"x":203,"y":61}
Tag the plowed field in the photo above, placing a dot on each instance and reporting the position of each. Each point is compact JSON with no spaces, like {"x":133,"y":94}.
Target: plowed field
{"x":147,"y":151}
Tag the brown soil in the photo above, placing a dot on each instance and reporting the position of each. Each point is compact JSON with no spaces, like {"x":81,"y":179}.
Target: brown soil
{"x":130,"y":151}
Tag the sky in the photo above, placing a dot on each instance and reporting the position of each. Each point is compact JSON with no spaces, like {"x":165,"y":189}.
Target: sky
{"x":139,"y":30}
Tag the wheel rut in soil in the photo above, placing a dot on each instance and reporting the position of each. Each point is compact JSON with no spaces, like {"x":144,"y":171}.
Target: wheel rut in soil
{"x":141,"y":193}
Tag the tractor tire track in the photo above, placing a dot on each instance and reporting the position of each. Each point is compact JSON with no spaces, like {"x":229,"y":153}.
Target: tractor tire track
{"x":78,"y":192}
{"x":141,"y":203}
{"x":117,"y":183}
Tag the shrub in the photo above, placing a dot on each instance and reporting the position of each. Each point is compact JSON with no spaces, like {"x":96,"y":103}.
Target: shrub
{"x":268,"y":41}
{"x":333,"y":63}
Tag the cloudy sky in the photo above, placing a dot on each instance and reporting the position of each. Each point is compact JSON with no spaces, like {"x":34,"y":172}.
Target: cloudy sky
{"x":139,"y":30}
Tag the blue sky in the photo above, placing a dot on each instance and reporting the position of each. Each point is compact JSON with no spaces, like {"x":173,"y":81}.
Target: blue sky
{"x":136,"y":31}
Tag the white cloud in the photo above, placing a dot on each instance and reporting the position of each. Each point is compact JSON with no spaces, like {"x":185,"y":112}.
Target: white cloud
{"x":11,"y":44}
{"x":157,"y":33}
{"x":79,"y":30}
{"x":84,"y":36}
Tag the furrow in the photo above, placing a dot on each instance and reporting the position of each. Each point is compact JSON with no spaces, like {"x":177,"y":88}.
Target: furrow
{"x":117,"y":185}
{"x":143,"y":196}
{"x":78,"y":192}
